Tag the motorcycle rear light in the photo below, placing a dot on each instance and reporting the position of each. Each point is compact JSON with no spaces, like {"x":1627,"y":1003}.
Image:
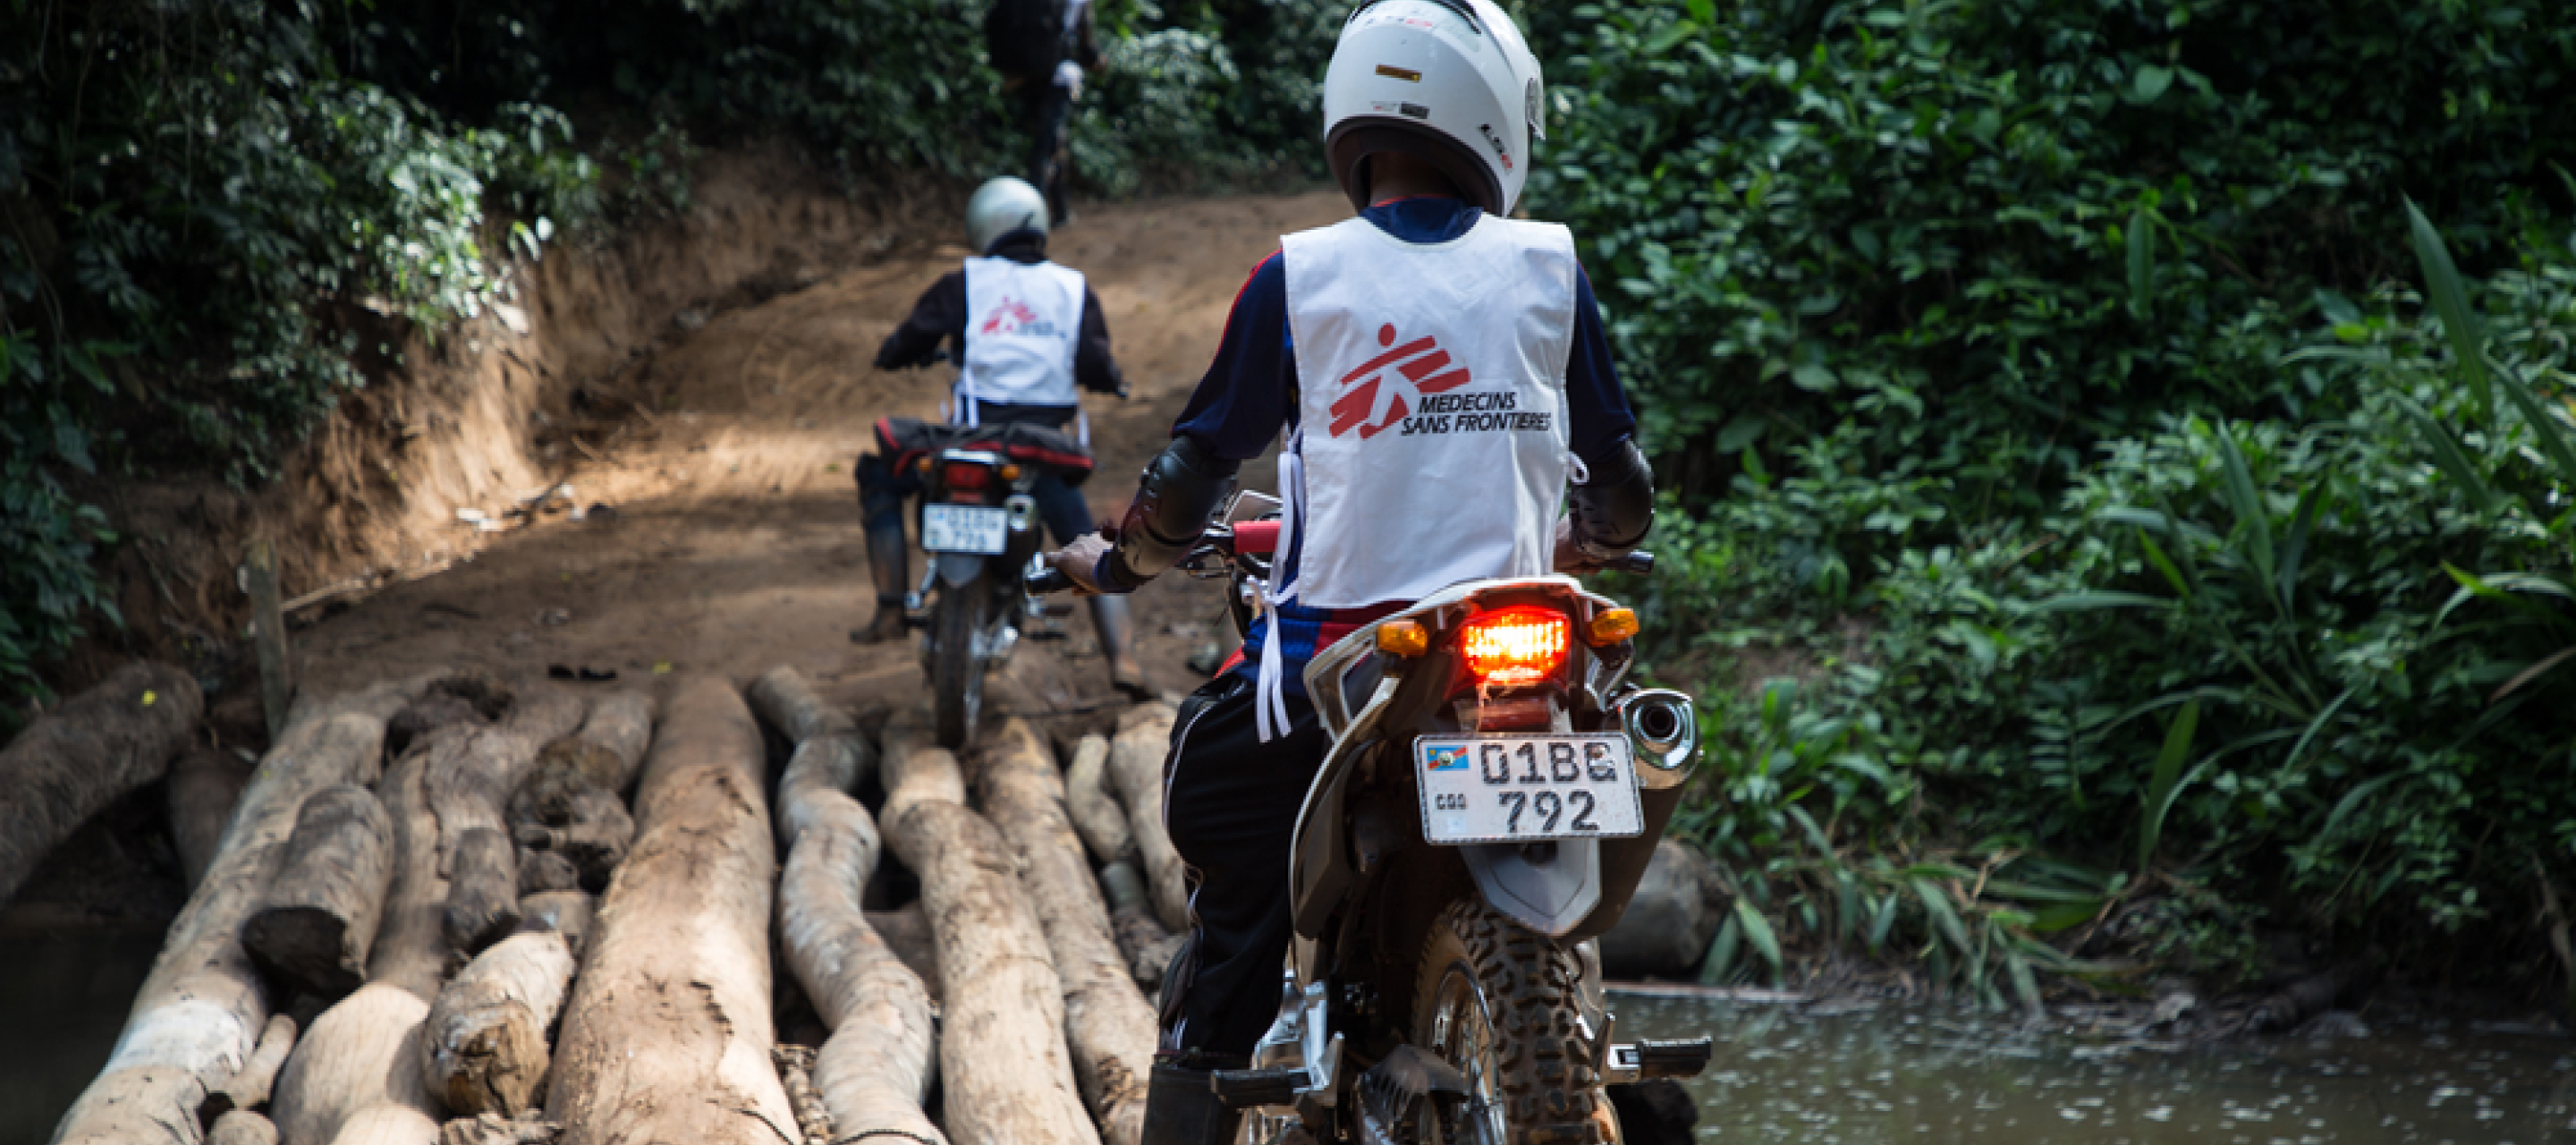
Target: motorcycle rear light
{"x":1515,"y":646}
{"x":1610,"y":626}
{"x":1406,"y":638}
{"x":1010,"y":473}
{"x":962,"y":475}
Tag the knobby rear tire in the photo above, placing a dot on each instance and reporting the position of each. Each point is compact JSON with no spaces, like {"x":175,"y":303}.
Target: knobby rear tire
{"x":1540,"y":1061}
{"x":956,"y":680}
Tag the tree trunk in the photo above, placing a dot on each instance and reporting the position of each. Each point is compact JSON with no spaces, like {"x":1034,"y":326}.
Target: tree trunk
{"x":610,"y":745}
{"x":411,"y":944}
{"x":1107,"y":1024}
{"x":789,"y":703}
{"x":1136,"y":763}
{"x":198,"y":1017}
{"x":916,"y":770}
{"x":389,"y":1123}
{"x":875,"y":1068}
{"x":1095,"y":812}
{"x":241,"y":1127}
{"x":86,"y":754}
{"x":1001,"y":1050}
{"x":668,"y":1033}
{"x":567,"y":913}
{"x":542,"y":872}
{"x":1141,"y":938}
{"x":473,"y":772}
{"x":205,"y":782}
{"x":482,"y":890}
{"x":588,"y":826}
{"x":906,"y":931}
{"x":362,"y":1052}
{"x":320,"y":916}
{"x":249,"y":1088}
{"x":484,"y":1048}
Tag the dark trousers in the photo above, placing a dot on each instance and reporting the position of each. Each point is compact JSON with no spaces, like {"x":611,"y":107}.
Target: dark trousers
{"x":882,"y":491}
{"x":1230,"y":802}
{"x":1044,"y":107}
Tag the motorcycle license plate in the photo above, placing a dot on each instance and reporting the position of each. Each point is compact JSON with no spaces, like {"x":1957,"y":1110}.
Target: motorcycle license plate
{"x":963,"y":529}
{"x":1521,"y":788}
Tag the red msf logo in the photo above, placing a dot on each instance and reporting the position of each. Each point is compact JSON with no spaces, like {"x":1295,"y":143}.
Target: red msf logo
{"x":1008,"y":317}
{"x":1417,"y":367}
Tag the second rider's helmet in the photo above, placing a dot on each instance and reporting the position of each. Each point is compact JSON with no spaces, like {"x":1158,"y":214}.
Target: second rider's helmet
{"x":1450,"y":82}
{"x":1000,"y":207}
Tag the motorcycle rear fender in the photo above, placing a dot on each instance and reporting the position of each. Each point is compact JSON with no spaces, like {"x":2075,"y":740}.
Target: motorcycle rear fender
{"x":1547,"y":889}
{"x":957,"y":570}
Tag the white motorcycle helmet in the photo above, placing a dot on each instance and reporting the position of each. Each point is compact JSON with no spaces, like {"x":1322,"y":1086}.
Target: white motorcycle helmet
{"x":1001,"y":206}
{"x":1450,"y":82}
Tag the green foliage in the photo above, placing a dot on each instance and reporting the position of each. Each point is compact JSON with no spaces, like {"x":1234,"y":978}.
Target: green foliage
{"x":2005,"y":364}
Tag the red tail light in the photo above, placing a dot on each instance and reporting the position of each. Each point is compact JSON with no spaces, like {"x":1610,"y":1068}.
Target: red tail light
{"x":1515,"y":646}
{"x":966,"y":475}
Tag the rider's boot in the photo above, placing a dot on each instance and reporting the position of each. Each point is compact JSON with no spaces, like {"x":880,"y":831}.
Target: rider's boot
{"x":1109,"y":615}
{"x":889,"y":559}
{"x":1181,"y":1109}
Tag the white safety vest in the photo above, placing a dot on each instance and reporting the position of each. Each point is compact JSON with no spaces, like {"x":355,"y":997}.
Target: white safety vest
{"x":1432,"y":444}
{"x":1022,"y":323}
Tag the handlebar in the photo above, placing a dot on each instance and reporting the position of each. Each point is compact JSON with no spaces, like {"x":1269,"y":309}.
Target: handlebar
{"x":1046,"y":582}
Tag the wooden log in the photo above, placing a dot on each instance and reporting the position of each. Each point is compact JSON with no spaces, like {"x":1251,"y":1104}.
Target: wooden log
{"x":482,"y":890}
{"x":544,"y":871}
{"x":544,"y":713}
{"x":830,"y":764}
{"x":586,"y":825}
{"x":667,"y":1035}
{"x":241,"y":1127}
{"x":916,"y":769}
{"x":1141,"y":938}
{"x":268,"y":633}
{"x":494,"y":1129}
{"x":93,"y":750}
{"x":389,"y":1123}
{"x":411,"y":950}
{"x":362,"y":1052}
{"x":567,"y":913}
{"x":609,"y":748}
{"x":199,"y":1015}
{"x":1107,"y":1025}
{"x":906,"y":931}
{"x":1006,"y":1074}
{"x":786,"y":701}
{"x":483,"y":1048}
{"x":875,"y":1068}
{"x":205,"y":782}
{"x":249,"y":1087}
{"x":319,"y":920}
{"x":1095,"y":812}
{"x":1136,"y":766}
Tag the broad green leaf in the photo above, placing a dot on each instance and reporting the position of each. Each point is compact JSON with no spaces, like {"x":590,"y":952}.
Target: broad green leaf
{"x":2294,"y":547}
{"x":2096,"y":601}
{"x":2451,"y":300}
{"x":2291,"y":765}
{"x":2448,"y":457}
{"x":2167,"y":781}
{"x":1945,"y":917}
{"x":2156,"y":556}
{"x":2545,"y":426}
{"x":1757,"y":930}
{"x":2065,"y":916}
{"x":2351,"y":801}
{"x":2149,"y":82}
{"x":1720,"y":962}
{"x":2247,"y":502}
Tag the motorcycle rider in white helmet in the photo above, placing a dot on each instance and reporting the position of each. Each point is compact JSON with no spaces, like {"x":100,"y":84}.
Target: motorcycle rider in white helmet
{"x":1446,"y":387}
{"x":1025,"y":333}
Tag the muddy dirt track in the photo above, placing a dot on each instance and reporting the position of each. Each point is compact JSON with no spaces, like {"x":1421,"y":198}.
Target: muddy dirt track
{"x":734,"y":543}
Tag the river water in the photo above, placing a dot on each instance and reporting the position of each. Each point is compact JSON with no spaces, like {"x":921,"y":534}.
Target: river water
{"x":1927,"y":1076}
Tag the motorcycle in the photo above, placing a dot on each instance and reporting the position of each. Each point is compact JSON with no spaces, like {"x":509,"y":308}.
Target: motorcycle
{"x":1492,"y":795}
{"x":978,"y":525}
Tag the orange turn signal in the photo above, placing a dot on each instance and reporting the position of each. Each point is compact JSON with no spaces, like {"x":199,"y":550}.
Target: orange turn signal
{"x":1610,"y":626}
{"x":1010,"y":473}
{"x":1406,"y":638}
{"x":922,"y":465}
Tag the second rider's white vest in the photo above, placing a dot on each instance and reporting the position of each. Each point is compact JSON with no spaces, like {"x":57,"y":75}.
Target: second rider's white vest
{"x":1432,"y":445}
{"x":1022,"y":323}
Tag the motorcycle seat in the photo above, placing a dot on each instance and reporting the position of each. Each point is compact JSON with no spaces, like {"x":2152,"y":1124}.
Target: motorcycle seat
{"x":905,"y":440}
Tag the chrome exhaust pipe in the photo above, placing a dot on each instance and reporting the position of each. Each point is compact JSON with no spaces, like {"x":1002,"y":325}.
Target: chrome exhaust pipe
{"x":1663,"y":727}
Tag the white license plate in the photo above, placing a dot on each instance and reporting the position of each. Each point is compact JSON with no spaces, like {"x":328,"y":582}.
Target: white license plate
{"x":1508,"y":789}
{"x":963,"y":529}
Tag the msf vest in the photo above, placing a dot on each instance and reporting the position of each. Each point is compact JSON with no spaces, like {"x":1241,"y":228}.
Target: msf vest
{"x":1021,"y":326}
{"x":1432,"y":445}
